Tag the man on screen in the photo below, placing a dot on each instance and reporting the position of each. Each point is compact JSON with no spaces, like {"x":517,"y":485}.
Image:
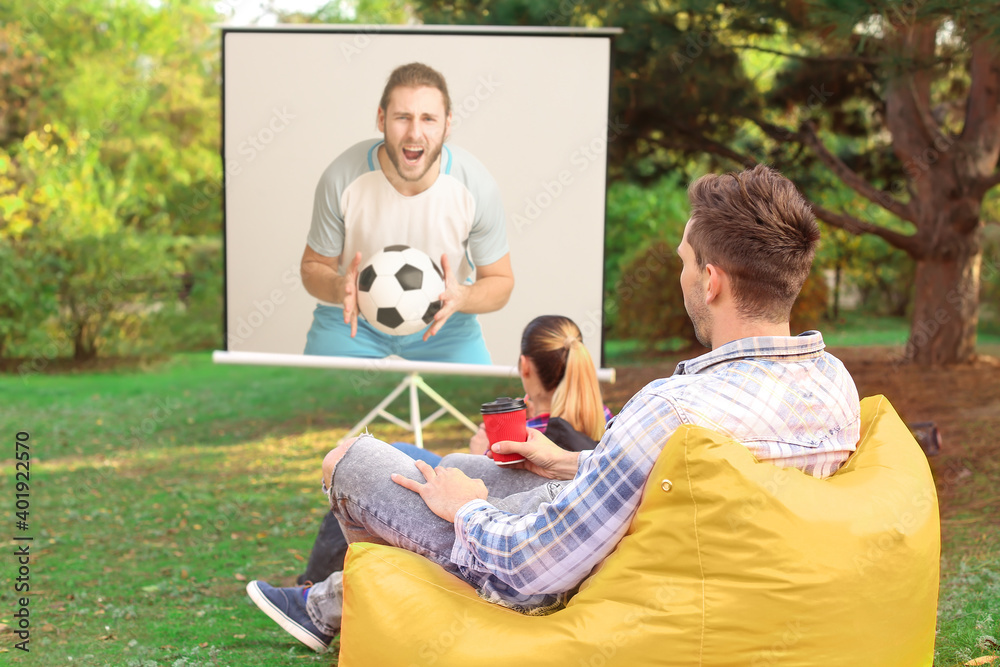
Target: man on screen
{"x":408,"y":188}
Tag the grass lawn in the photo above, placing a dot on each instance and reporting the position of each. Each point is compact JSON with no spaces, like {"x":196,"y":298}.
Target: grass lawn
{"x":156,"y":494}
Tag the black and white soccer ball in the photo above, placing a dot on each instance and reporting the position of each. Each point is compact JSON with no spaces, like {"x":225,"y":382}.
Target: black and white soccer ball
{"x":398,"y":290}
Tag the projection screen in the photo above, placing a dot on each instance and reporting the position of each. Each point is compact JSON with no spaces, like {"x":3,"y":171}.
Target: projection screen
{"x":530,"y":104}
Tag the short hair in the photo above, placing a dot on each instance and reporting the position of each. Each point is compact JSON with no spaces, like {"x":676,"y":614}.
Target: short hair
{"x":555,"y":345}
{"x":415,"y":75}
{"x":760,"y":230}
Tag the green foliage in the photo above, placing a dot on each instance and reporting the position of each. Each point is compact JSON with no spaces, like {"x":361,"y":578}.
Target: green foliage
{"x":989,"y":316}
{"x":649,"y":302}
{"x":109,"y":135}
{"x":359,"y":11}
{"x":807,"y":87}
{"x":638,"y":216}
{"x":27,"y":294}
{"x":62,"y":203}
{"x":810,"y":307}
{"x":194,"y":320}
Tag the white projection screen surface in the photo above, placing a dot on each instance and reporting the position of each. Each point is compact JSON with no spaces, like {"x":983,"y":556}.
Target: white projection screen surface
{"x":531,"y":105}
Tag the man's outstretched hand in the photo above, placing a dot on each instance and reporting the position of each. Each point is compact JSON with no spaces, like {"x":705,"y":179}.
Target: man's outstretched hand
{"x":351,"y":295}
{"x":446,"y":489}
{"x":543,"y":457}
{"x":452,"y":298}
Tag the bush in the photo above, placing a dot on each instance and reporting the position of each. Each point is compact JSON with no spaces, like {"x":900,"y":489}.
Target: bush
{"x":194,"y":320}
{"x":810,"y":308}
{"x":637,"y":214}
{"x":650,"y":308}
{"x":647,"y":299}
{"x":989,"y":288}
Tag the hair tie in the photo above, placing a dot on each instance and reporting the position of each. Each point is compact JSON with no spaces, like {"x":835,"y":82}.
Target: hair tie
{"x":568,"y":343}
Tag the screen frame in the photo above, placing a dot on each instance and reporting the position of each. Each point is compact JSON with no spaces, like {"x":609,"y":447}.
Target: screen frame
{"x":363,"y":31}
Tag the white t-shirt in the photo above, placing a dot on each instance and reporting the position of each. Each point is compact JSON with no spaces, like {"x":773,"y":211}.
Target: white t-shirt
{"x":357,"y":209}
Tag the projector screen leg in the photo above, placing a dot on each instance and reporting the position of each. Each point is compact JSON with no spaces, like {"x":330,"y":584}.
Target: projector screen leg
{"x":415,"y":384}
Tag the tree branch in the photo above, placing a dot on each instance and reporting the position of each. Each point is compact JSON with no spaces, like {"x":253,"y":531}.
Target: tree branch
{"x":981,"y":132}
{"x":714,"y":147}
{"x":854,"y":226}
{"x":983,"y":107}
{"x":851,"y":178}
{"x":922,"y":38}
{"x":921,"y":107}
{"x":808,"y":58}
{"x":808,"y":137}
{"x":710,"y":145}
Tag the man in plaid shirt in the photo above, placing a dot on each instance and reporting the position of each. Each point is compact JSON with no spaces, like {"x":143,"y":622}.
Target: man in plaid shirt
{"x":526,"y":538}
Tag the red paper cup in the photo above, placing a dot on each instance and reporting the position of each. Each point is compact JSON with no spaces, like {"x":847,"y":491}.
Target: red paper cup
{"x":505,"y":419}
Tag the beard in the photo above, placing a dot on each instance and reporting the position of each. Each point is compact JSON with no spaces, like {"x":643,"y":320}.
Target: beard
{"x":412,"y":172}
{"x":700,"y":317}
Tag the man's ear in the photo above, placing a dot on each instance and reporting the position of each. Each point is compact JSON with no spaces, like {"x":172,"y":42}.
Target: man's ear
{"x":380,"y":120}
{"x":716,"y":283}
{"x":447,"y":126}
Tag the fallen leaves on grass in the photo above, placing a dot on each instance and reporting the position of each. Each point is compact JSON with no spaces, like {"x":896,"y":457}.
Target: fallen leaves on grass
{"x":984,"y":660}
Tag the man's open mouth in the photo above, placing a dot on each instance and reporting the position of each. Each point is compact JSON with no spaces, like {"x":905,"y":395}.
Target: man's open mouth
{"x":412,"y":155}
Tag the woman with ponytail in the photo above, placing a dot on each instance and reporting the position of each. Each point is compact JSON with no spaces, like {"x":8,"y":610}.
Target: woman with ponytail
{"x":559,"y":377}
{"x":564,"y":402}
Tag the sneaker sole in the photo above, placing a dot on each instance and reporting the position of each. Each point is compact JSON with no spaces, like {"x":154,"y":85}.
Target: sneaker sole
{"x":288,"y":625}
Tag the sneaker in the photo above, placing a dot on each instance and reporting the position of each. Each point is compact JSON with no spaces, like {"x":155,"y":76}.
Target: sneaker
{"x":287,"y":608}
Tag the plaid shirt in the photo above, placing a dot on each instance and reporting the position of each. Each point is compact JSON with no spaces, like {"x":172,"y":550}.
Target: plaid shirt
{"x":786,"y":399}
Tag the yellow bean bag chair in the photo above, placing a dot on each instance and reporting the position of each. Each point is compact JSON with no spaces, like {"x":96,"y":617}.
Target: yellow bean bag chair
{"x":728,"y":562}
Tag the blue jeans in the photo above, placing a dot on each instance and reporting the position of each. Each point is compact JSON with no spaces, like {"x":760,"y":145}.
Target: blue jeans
{"x":372,"y":508}
{"x":418,"y":453}
{"x":460,"y":340}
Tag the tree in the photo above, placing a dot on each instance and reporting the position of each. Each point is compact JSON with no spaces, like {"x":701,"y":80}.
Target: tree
{"x":900,"y":100}
{"x":109,"y":166}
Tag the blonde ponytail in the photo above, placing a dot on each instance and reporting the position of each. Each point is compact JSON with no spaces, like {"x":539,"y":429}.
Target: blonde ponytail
{"x":577,"y":399}
{"x":555,"y":346}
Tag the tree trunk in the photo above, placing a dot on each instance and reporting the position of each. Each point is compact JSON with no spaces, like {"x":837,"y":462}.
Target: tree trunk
{"x":945,"y":309}
{"x":84,"y":347}
{"x":836,"y":293}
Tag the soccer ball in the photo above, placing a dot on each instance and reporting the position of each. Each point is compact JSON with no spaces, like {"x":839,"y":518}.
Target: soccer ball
{"x":398,"y":290}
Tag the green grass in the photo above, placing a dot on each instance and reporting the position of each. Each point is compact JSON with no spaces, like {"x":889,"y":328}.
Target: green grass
{"x":969,"y":611}
{"x":855,"y":329}
{"x":156,"y":495}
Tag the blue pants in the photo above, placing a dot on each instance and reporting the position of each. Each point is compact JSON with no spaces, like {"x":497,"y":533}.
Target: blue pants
{"x":418,"y":454}
{"x":460,"y":340}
